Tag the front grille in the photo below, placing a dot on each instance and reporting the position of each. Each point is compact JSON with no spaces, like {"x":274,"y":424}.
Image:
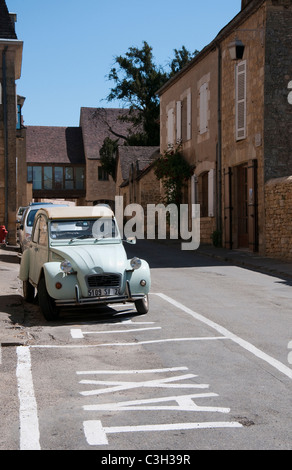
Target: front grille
{"x":103,"y":280}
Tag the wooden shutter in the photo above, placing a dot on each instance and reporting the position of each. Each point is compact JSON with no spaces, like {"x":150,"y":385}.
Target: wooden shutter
{"x":178,"y":122}
{"x":252,"y":205}
{"x":241,"y":100}
{"x":227,"y":208}
{"x":203,"y":108}
{"x":170,"y":124}
{"x":189,"y":116}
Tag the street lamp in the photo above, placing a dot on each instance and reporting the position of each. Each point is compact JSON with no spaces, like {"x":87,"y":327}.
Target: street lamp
{"x":236,"y":49}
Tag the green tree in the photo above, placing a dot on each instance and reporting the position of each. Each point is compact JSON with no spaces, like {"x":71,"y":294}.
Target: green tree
{"x":181,"y":58}
{"x":137,"y":79}
{"x":108,"y":153}
{"x":173,"y":170}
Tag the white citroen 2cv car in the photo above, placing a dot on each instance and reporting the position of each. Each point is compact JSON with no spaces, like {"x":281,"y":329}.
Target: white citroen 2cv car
{"x":76,"y":257}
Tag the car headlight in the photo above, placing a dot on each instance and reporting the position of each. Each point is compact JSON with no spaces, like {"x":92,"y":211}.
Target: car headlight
{"x":66,"y":266}
{"x":135,"y":263}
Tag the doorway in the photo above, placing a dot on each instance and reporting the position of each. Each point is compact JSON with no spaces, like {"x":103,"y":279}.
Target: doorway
{"x":242,"y":206}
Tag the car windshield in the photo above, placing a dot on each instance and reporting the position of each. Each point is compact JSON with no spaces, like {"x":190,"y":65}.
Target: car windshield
{"x":78,"y":229}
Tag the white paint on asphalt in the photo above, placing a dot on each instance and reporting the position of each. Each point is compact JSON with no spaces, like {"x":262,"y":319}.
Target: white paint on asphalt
{"x":77,"y":333}
{"x":29,"y":425}
{"x":96,"y":434}
{"x":241,"y":342}
{"x":157,"y":383}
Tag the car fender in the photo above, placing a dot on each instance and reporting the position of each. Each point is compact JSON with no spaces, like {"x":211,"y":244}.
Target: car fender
{"x":24,"y":266}
{"x":54,"y":276}
{"x":135,"y":276}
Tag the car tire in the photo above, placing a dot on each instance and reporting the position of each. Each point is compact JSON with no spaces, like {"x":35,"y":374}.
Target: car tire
{"x":46,"y":303}
{"x":142,"y":305}
{"x":28,"y":291}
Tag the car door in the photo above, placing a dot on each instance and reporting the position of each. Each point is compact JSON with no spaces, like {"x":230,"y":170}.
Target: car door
{"x":39,"y":248}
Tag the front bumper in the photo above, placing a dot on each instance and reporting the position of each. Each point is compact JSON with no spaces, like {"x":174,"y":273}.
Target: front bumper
{"x":78,"y":301}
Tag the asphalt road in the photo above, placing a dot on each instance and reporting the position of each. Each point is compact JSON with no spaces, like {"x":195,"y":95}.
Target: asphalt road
{"x":206,"y":368}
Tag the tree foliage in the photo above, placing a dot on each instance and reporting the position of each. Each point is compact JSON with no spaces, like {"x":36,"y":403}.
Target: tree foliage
{"x":137,"y":79}
{"x":108,"y":153}
{"x":181,"y":58}
{"x":173,"y":170}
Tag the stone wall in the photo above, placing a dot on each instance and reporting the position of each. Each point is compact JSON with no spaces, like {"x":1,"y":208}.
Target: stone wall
{"x":278,"y":198}
{"x":278,"y":75}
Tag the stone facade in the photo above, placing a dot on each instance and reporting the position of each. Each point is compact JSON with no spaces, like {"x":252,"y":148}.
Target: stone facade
{"x":189,"y":117}
{"x":244,"y":135}
{"x":278,"y":196}
{"x":10,"y":69}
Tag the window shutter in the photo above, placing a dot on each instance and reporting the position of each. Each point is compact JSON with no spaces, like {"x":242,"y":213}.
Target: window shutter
{"x":203,"y":108}
{"x":189,"y":116}
{"x":241,"y":100}
{"x":178,"y":122}
{"x":194,"y":194}
{"x":211,"y":192}
{"x":170,"y":127}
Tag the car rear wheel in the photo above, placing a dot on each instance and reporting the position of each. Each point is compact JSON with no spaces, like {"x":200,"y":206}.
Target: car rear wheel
{"x":28,"y":291}
{"x":142,"y":305}
{"x":46,"y":303}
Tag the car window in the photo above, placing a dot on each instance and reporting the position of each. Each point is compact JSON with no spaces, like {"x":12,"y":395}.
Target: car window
{"x":30,"y":218}
{"x":43,"y":231}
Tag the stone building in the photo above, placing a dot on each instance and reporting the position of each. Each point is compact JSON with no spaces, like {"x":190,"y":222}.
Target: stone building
{"x":235,"y":125}
{"x":10,"y":71}
{"x":132,"y":163}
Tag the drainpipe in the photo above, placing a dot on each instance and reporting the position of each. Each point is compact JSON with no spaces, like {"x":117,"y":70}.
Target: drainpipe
{"x":219,"y":149}
{"x":5,"y":134}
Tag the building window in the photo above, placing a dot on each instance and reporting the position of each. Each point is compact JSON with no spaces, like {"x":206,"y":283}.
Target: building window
{"x":69,"y":177}
{"x":55,"y":178}
{"x":36,"y":177}
{"x":240,"y":101}
{"x":102,"y":174}
{"x":59,"y":177}
{"x":48,"y":177}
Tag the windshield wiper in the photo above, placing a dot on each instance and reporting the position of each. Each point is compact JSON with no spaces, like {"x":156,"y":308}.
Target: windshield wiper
{"x":81,"y":237}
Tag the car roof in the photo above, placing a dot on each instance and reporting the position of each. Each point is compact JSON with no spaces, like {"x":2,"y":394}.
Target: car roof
{"x":55,"y":212}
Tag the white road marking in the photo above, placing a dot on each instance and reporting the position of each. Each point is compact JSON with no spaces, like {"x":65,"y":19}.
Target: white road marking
{"x":138,"y":343}
{"x":77,"y":333}
{"x":157,"y":383}
{"x":29,"y":425}
{"x":96,"y":434}
{"x":131,"y":371}
{"x":241,"y":342}
{"x":184,"y":403}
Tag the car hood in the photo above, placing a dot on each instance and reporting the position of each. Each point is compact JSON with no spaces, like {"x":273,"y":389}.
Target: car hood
{"x":109,"y":258}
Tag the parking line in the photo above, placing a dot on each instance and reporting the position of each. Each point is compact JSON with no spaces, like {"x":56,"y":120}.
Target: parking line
{"x":96,"y":434}
{"x":29,"y":425}
{"x":241,"y":342}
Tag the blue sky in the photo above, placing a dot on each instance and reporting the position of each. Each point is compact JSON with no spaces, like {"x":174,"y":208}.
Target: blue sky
{"x":70,"y":45}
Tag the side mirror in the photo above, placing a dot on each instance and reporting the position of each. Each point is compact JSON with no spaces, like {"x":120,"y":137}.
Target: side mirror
{"x":21,"y":227}
{"x":131,"y":240}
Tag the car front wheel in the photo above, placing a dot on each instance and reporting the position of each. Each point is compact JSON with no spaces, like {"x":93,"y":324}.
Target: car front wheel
{"x":142,"y":305}
{"x":46,"y":303}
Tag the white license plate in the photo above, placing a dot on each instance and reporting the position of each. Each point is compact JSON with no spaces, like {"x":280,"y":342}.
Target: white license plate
{"x":103,"y":291}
